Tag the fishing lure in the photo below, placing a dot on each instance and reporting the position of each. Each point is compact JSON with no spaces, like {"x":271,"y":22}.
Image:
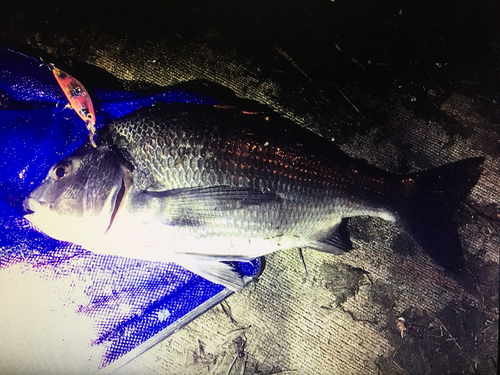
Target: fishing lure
{"x":79,"y":99}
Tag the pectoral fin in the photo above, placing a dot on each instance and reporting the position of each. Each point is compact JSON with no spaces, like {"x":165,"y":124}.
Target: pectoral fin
{"x":190,"y":206}
{"x":222,"y":197}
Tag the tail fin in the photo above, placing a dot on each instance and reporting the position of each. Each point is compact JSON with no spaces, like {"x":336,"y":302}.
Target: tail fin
{"x":432,"y":198}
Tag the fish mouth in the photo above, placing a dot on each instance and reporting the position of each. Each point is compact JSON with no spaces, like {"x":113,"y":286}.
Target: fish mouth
{"x":31,"y":205}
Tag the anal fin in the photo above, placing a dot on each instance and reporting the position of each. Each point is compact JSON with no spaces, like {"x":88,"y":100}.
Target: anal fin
{"x":336,"y":242}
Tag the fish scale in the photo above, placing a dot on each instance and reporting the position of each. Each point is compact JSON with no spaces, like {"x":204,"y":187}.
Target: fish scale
{"x":232,"y":155}
{"x":237,"y":159}
{"x":238,"y":162}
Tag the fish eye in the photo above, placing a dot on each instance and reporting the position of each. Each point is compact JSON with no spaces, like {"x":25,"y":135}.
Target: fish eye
{"x":61,"y":171}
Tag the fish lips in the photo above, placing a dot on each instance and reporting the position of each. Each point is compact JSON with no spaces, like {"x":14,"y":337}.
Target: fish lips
{"x":36,"y":202}
{"x":30,"y":205}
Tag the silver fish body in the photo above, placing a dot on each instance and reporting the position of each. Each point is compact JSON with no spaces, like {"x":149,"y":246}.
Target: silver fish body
{"x":198,"y":185}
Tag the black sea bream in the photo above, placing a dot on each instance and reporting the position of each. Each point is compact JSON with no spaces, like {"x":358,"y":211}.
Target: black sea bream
{"x":200,"y":185}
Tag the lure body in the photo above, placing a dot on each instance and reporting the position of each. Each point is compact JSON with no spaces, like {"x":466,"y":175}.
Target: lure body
{"x":79,"y":99}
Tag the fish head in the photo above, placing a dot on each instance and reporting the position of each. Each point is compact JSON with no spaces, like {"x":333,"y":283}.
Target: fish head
{"x":80,"y":196}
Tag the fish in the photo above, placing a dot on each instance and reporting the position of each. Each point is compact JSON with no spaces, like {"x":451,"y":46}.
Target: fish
{"x":204,"y":186}
{"x":78,"y":98}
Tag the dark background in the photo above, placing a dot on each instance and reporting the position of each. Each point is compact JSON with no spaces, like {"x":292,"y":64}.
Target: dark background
{"x":316,"y":53}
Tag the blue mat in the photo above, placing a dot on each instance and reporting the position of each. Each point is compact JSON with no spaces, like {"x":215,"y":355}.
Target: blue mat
{"x":119,"y":307}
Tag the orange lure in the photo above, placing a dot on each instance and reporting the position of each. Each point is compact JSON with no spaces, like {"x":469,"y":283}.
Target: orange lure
{"x":79,"y":99}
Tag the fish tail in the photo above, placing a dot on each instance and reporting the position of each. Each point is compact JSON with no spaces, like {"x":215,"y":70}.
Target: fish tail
{"x":431,"y":199}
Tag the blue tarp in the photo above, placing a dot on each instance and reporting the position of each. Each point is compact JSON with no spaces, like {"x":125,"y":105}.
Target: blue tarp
{"x":118,"y":306}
